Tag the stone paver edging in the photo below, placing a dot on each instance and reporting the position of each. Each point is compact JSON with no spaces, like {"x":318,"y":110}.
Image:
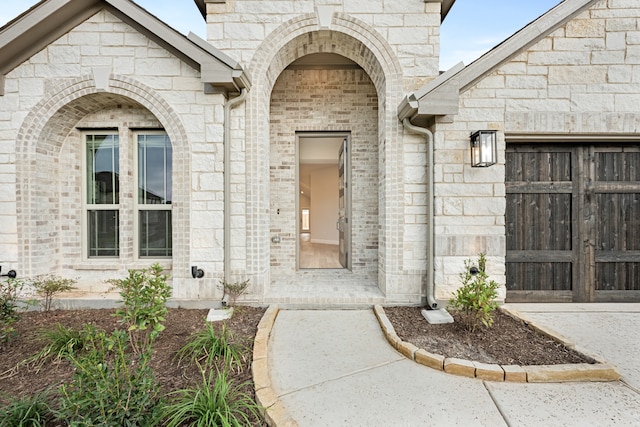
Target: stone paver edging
{"x":598,"y":371}
{"x":274,"y":411}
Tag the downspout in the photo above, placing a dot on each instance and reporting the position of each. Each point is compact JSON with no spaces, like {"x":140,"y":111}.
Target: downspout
{"x":432,"y":303}
{"x":228,"y":106}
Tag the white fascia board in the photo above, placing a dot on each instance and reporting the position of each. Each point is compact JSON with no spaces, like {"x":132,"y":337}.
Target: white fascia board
{"x":205,"y":45}
{"x":438,"y":97}
{"x":199,"y":52}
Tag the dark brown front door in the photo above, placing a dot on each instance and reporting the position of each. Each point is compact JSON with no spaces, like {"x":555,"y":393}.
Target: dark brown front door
{"x":573,"y":222}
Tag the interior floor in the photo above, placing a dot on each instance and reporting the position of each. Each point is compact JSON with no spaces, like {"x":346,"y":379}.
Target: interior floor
{"x":317,"y":255}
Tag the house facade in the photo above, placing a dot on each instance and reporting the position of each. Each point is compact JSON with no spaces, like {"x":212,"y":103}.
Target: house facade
{"x":315,"y":149}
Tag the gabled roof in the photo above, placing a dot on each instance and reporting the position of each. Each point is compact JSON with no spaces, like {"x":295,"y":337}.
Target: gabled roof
{"x":48,"y":20}
{"x":422,"y":105}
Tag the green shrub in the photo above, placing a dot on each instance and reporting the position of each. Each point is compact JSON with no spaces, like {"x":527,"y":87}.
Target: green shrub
{"x":234,"y":290}
{"x":207,"y":345}
{"x":111,"y":386}
{"x":144,"y":295}
{"x":31,"y":411}
{"x":216,"y":402}
{"x":10,"y":309}
{"x":475,"y":301}
{"x":46,"y":287}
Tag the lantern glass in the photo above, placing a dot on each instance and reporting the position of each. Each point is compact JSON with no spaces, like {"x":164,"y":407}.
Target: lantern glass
{"x":483,"y":148}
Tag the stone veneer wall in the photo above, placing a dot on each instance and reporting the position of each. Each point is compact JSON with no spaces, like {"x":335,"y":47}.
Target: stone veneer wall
{"x":410,"y":27}
{"x":396,"y":45}
{"x":58,"y":90}
{"x":583,"y":80}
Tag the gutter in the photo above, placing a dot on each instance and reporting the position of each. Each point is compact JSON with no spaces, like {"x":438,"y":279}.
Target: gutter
{"x":432,"y":303}
{"x":228,"y":106}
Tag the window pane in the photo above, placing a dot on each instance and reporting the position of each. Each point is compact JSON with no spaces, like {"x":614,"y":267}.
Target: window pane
{"x":103,"y":233}
{"x":102,"y":169}
{"x":154,"y":169}
{"x":155,"y":233}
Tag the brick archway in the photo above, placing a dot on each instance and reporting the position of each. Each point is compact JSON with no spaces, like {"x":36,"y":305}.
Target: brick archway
{"x":38,"y":158}
{"x":359,"y":42}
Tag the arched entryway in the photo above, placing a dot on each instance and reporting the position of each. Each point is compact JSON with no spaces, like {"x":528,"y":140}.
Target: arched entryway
{"x":358,"y":99}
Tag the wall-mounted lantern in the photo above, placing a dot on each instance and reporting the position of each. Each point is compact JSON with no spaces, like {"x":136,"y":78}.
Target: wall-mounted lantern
{"x":483,"y":148}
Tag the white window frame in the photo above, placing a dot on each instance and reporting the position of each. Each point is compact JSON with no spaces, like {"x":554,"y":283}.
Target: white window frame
{"x":128,"y":149}
{"x":86,"y":206}
{"x":137,"y":206}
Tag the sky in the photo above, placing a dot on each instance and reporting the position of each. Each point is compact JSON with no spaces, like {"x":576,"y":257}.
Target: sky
{"x":472,"y":27}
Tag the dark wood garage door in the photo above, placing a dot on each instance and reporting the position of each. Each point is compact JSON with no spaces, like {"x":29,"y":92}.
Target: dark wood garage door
{"x":573,"y":222}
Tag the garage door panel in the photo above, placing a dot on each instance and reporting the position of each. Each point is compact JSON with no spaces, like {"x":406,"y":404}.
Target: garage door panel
{"x":621,"y":165}
{"x":618,"y":222}
{"x":573,"y":222}
{"x":618,"y":276}
{"x":548,"y":225}
{"x":539,"y":276}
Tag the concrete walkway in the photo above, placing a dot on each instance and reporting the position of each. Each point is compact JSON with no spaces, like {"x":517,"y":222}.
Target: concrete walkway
{"x":334,"y":368}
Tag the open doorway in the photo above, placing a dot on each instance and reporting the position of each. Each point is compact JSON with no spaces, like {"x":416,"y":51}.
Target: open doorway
{"x":323,"y":201}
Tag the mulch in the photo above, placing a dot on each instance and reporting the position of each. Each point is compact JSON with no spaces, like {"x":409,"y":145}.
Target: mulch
{"x":508,"y":342}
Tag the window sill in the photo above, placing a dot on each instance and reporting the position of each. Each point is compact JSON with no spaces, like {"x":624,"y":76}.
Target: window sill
{"x":118,"y":265}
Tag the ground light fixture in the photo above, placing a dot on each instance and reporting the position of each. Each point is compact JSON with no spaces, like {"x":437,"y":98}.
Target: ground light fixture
{"x":11,"y":274}
{"x":483,"y":148}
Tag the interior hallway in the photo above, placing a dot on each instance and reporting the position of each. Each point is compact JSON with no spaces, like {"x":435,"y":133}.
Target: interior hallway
{"x":317,"y":255}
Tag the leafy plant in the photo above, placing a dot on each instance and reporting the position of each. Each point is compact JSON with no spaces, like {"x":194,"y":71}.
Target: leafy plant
{"x":111,"y":386}
{"x":10,"y":309}
{"x":475,"y":301}
{"x":30,"y":411}
{"x":217,"y":402}
{"x":207,"y":345}
{"x":144,"y":294}
{"x":61,"y":342}
{"x":46,"y":287}
{"x":234,"y":290}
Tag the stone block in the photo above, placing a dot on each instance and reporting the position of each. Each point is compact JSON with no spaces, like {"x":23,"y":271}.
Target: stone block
{"x":266,"y":397}
{"x":407,"y":349}
{"x":269,"y":318}
{"x":394,"y":340}
{"x":434,"y":361}
{"x":455,"y":366}
{"x":260,"y":349}
{"x":277,"y":415}
{"x":385,"y":324}
{"x":260,"y":370}
{"x":514,"y":373}
{"x":489,"y":371}
{"x":571,"y":372}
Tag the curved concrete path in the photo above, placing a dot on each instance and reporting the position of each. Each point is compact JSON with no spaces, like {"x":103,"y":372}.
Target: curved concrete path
{"x":335,"y":368}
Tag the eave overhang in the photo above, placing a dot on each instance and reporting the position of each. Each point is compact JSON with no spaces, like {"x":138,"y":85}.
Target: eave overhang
{"x":439,"y":97}
{"x":48,"y":20}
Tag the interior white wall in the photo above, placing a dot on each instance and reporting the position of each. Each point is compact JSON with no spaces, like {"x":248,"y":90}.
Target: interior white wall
{"x":324,"y":205}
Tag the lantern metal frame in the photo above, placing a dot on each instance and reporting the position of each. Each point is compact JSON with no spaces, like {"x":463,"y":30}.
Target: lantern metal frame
{"x":484,"y":148}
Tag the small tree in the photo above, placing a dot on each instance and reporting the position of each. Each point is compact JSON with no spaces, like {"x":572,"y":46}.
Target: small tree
{"x":46,"y":287}
{"x":475,"y":301}
{"x":144,"y":296}
{"x":234,"y":290}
